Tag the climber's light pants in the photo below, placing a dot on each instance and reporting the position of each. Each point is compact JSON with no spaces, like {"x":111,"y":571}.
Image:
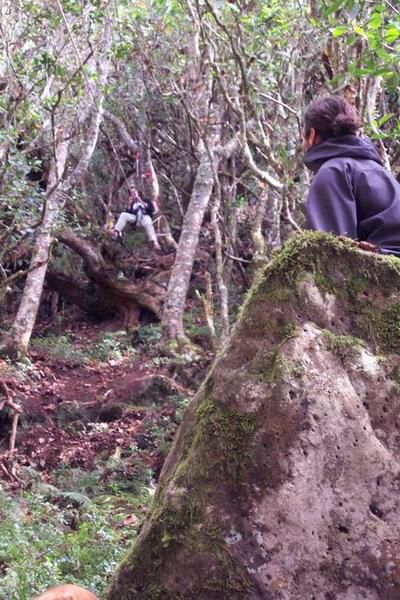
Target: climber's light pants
{"x":139,"y":220}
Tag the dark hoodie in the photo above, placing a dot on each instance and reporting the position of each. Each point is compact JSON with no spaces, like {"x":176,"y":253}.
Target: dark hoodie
{"x":352,"y":194}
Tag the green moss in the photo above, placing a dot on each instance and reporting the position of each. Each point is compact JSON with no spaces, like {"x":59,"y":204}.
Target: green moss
{"x":170,"y":535}
{"x":298,"y":368}
{"x":343,"y":346}
{"x":288,"y":331}
{"x":323,"y":283}
{"x":280,"y":294}
{"x":302,"y":252}
{"x":290,"y":264}
{"x":276,"y":367}
{"x":380,"y":327}
{"x":280,"y":331}
{"x":353,"y":287}
{"x":393,"y":263}
{"x":387,"y":327}
{"x":226,"y":436}
{"x":181,"y":521}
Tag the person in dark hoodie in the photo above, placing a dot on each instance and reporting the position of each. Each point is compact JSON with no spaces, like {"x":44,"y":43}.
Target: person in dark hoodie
{"x":351,"y":193}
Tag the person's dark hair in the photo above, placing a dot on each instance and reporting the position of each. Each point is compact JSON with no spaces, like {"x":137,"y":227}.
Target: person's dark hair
{"x":330,"y":117}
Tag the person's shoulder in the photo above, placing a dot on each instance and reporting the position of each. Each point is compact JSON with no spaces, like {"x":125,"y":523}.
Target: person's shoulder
{"x":333,"y":166}
{"x":368,"y":166}
{"x":346,"y":164}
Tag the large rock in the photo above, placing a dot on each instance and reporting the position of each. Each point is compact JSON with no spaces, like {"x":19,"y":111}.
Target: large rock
{"x":283,"y":482}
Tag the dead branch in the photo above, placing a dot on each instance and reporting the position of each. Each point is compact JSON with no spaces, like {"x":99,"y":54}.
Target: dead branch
{"x":9,"y":470}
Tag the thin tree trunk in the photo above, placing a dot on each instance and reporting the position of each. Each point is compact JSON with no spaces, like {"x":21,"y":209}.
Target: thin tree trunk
{"x":198,"y":107}
{"x":222,"y":288}
{"x":374,"y":89}
{"x":172,"y":319}
{"x":18,"y":339}
{"x":272,"y":223}
{"x":151,"y":189}
{"x":256,"y":231}
{"x":20,"y":333}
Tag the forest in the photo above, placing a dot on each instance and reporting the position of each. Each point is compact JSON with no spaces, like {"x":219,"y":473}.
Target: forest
{"x":112,"y":340}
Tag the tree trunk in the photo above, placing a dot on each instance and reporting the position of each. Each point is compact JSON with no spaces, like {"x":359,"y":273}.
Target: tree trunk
{"x":18,"y":339}
{"x":373,"y":90}
{"x":272,"y":223}
{"x":151,"y":189}
{"x":148,"y":293}
{"x":172,"y":319}
{"x":219,"y":261}
{"x":266,"y":227}
{"x":98,"y":302}
{"x":208,"y":136}
{"x":256,"y":230}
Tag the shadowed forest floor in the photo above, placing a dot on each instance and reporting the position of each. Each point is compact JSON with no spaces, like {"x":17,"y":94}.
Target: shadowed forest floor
{"x":99,"y":413}
{"x":83,"y":399}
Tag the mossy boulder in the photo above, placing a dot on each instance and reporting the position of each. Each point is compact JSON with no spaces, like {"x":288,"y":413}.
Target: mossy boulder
{"x":283,"y":481}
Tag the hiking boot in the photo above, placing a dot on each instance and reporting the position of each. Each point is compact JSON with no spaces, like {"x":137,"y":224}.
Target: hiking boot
{"x":117,"y":236}
{"x":156,"y":247}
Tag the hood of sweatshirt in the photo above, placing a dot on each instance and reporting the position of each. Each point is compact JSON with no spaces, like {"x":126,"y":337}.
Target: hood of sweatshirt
{"x":344,"y":146}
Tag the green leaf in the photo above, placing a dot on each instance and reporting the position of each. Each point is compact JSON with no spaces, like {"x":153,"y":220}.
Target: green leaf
{"x":391,"y":34}
{"x":375,"y":21}
{"x":385,"y":119}
{"x":360,"y":31}
{"x":338,"y":31}
{"x":334,"y":7}
{"x":380,"y":8}
{"x":383,"y":55}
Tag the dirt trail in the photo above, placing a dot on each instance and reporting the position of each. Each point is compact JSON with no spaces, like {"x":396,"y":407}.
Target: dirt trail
{"x":72,"y":414}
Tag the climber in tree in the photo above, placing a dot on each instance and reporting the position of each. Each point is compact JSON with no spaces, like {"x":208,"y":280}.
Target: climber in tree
{"x":139,"y":212}
{"x":351,"y":194}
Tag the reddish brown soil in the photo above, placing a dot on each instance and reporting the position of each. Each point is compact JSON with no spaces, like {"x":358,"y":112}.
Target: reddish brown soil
{"x":62,"y":422}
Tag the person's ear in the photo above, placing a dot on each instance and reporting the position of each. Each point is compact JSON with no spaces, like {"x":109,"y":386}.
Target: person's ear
{"x":312,"y":137}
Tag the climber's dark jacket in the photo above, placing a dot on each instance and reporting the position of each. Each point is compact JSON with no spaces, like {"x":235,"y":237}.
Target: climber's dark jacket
{"x":352,"y":194}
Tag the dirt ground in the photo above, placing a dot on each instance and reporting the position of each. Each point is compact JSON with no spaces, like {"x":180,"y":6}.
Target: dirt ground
{"x":73,"y":412}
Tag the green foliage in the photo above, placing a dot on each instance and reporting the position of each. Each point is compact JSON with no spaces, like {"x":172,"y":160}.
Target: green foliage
{"x":76,"y":529}
{"x":41,"y":545}
{"x":378,"y":26}
{"x":148,"y":335}
{"x":58,"y":346}
{"x":194,"y":326}
{"x":344,"y":346}
{"x":111,"y":346}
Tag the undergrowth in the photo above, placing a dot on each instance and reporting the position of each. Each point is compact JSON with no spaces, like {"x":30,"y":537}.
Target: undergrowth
{"x":109,"y":346}
{"x":74,"y":525}
{"x":42,"y":545}
{"x":76,"y":531}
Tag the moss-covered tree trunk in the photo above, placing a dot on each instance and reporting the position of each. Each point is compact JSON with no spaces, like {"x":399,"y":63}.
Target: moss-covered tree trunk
{"x":283,"y":479}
